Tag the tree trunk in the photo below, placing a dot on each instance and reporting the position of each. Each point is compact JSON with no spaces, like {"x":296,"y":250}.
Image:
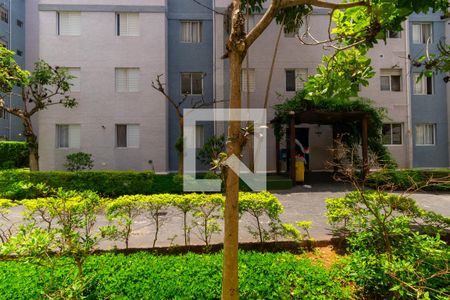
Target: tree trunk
{"x":231,"y":219}
{"x":32,"y":143}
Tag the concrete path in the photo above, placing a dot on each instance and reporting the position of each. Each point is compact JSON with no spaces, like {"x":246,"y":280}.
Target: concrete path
{"x":300,"y":203}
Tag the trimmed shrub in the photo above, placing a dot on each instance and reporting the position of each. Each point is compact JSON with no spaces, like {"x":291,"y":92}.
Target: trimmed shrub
{"x":105,"y":183}
{"x":79,"y":161}
{"x":427,"y":180}
{"x":13,"y":154}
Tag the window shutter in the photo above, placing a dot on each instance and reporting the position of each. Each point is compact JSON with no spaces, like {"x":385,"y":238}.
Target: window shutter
{"x":133,"y":24}
{"x":185,"y":32}
{"x":70,"y":23}
{"x":121,"y":80}
{"x":76,"y":81}
{"x":416,"y":33}
{"x":62,"y":133}
{"x":418,"y":85}
{"x":74,"y":136}
{"x":251,"y":80}
{"x":199,"y":136}
{"x":133,"y":136}
{"x":426,"y":33}
{"x":300,"y":78}
{"x":133,"y":79}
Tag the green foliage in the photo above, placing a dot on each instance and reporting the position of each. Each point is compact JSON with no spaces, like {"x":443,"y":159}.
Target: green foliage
{"x":259,"y":206}
{"x":416,"y":179}
{"x":190,"y":276}
{"x":13,"y":155}
{"x":389,"y":258}
{"x":71,"y":217}
{"x":205,"y":211}
{"x":10,"y":72}
{"x":23,"y":190}
{"x":106,"y":183}
{"x":211,"y":149}
{"x":79,"y":161}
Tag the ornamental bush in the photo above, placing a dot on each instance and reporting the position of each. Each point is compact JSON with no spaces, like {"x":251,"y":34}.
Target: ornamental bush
{"x":13,"y":155}
{"x":407,"y":179}
{"x":105,"y":183}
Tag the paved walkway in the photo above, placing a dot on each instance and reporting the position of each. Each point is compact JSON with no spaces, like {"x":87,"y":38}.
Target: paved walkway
{"x":300,"y":203}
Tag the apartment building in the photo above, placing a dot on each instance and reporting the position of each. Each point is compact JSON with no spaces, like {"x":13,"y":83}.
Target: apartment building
{"x":12,"y":36}
{"x":117,"y":47}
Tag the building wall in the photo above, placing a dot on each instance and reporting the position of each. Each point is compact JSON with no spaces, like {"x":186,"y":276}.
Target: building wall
{"x":430,"y":108}
{"x":188,"y":57}
{"x":10,"y":126}
{"x":98,"y":51}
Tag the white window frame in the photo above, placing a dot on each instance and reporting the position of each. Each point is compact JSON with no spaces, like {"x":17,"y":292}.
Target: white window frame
{"x":423,"y":85}
{"x":301,"y":76}
{"x":72,"y":130}
{"x":128,"y":74}
{"x":391,"y":137}
{"x":434,"y":131}
{"x":420,"y":32}
{"x":252,"y":80}
{"x":189,"y":39}
{"x":192,"y":83}
{"x":129,"y":144}
{"x":390,"y":74}
{"x":68,"y":14}
{"x":125,"y":17}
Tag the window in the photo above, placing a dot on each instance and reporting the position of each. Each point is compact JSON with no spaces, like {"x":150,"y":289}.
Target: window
{"x":4,"y":14}
{"x":249,"y":22}
{"x":68,"y":136}
{"x":127,"y":80}
{"x":425,"y":134}
{"x":191,"y":31}
{"x":393,"y":34}
{"x":2,"y":114}
{"x":390,"y":80}
{"x":199,"y":136}
{"x":295,"y":78}
{"x":392,"y":134}
{"x":127,"y":136}
{"x":75,"y":81}
{"x":248,"y":80}
{"x":69,"y":23}
{"x":423,"y":86}
{"x":128,"y":24}
{"x":19,"y":23}
{"x":191,"y":83}
{"x":19,"y":53}
{"x":422,"y":33}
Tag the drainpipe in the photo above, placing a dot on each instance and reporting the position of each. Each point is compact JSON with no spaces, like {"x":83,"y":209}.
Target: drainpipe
{"x":214,"y":59}
{"x":410,"y":132}
{"x":10,"y":48}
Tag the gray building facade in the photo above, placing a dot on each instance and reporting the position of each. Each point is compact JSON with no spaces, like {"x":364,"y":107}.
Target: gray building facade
{"x":190,"y":64}
{"x":429,"y":99}
{"x":12,"y":36}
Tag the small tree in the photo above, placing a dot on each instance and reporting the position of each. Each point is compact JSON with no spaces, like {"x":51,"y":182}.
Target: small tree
{"x":79,"y":161}
{"x":211,"y":150}
{"x":44,"y":87}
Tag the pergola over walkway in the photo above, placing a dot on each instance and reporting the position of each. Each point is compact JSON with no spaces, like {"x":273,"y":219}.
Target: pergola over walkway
{"x":324,"y":118}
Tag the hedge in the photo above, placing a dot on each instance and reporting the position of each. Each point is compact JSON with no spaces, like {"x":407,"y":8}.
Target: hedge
{"x":412,"y":179}
{"x":192,"y":276}
{"x":105,"y":183}
{"x":13,"y":155}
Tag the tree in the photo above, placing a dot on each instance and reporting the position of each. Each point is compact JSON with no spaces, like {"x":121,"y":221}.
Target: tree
{"x":44,"y":87}
{"x":439,"y":62}
{"x":358,"y":24}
